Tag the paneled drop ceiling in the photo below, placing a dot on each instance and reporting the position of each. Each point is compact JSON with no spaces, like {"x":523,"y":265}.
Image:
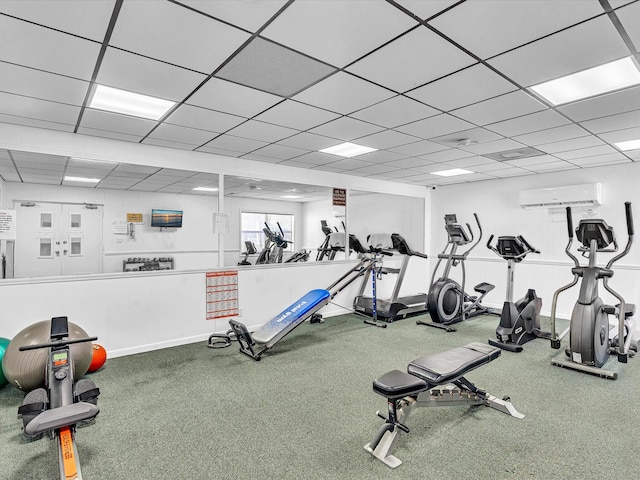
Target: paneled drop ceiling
{"x":433,"y":85}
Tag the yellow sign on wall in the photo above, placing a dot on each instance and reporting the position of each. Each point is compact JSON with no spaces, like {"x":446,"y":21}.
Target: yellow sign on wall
{"x":134,"y":218}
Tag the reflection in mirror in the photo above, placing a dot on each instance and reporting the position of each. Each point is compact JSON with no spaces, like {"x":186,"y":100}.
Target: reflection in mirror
{"x":274,"y":222}
{"x":76,"y":216}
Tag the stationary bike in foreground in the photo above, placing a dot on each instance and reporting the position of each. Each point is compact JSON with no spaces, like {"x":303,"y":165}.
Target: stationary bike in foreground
{"x":590,"y":340}
{"x":519,"y":321}
{"x":447,"y":301}
{"x":59,"y":407}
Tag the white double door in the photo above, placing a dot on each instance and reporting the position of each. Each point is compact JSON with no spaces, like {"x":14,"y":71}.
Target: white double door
{"x":57,"y":239}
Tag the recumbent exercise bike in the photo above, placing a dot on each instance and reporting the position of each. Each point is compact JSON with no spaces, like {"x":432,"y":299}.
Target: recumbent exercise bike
{"x":519,"y":321}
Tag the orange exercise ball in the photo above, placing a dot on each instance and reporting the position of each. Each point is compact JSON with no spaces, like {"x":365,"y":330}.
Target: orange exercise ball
{"x":98,"y":359}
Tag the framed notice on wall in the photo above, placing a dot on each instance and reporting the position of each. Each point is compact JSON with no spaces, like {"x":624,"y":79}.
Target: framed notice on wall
{"x":7,"y":224}
{"x":222,"y":294}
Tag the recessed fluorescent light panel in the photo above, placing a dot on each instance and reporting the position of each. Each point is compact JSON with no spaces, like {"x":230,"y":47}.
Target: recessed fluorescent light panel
{"x":291,"y":196}
{"x":348,"y":150}
{"x":129,"y":103}
{"x":205,"y":189}
{"x":629,"y":145}
{"x":81,"y":179}
{"x":588,"y":83}
{"x":451,"y":173}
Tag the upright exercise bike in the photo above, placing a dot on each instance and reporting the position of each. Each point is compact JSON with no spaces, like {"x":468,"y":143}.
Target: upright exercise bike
{"x":590,"y":343}
{"x":519,"y":321}
{"x":63,"y":404}
{"x":447,"y":301}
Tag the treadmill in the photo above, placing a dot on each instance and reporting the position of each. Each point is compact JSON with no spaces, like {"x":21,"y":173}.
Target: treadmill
{"x":396,"y":307}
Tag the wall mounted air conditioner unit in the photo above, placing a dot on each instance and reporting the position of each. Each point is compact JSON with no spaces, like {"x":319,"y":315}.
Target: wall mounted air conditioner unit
{"x":589,"y":194}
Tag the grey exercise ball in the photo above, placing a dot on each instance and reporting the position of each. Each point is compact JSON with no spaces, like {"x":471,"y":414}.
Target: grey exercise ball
{"x":26,"y":370}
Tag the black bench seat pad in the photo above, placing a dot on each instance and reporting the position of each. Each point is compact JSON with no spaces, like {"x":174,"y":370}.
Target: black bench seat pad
{"x":445,"y":367}
{"x":397,"y":384}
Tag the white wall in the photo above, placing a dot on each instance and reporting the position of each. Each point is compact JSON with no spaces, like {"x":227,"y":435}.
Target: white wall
{"x":496,"y":203}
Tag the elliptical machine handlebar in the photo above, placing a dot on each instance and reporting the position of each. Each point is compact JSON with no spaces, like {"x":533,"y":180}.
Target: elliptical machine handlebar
{"x":569,"y":223}
{"x":528,"y":245}
{"x":627,"y":211}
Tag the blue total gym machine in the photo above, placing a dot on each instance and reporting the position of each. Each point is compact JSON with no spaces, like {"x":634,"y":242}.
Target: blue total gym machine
{"x":264,"y":338}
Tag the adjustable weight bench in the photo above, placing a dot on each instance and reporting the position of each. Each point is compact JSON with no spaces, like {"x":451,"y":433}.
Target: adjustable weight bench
{"x":417,"y":388}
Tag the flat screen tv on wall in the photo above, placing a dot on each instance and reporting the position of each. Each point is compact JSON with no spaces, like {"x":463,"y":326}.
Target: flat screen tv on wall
{"x":166,"y":218}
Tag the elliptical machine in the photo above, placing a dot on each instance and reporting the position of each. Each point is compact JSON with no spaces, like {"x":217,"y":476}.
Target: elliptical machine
{"x":519,"y":321}
{"x":589,"y":342}
{"x":447,"y":301}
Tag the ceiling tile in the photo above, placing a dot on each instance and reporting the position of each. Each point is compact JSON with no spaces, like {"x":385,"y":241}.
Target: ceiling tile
{"x":492,"y":147}
{"x":493,"y":26}
{"x":526,"y":162}
{"x":508,"y":172}
{"x":402,"y":71}
{"x":550,"y":135}
{"x":396,"y":111}
{"x":424,"y":9}
{"x":343,"y":93}
{"x":604,"y":105}
{"x":176,"y":133}
{"x":588,"y":152}
{"x":489,"y":166}
{"x":450,"y":155}
{"x":280,"y":152}
{"x":308,"y":141}
{"x":112,"y":135}
{"x":248,"y":14}
{"x":296,"y":115}
{"x":38,"y":109}
{"x":422,"y":147}
{"x":465,"y":138}
{"x":27,"y":44}
{"x":386,"y":139}
{"x":264,"y":132}
{"x":584,"y":46}
{"x":469,"y":162}
{"x":613,"y":122}
{"x":169,"y":144}
{"x":203,"y":118}
{"x":528,"y":123}
{"x":174,"y":34}
{"x":594,"y":161}
{"x":629,"y":16}
{"x":315,"y":158}
{"x":621,"y":135}
{"x":89,"y":19}
{"x":346,"y":129}
{"x":146,"y":76}
{"x":30,"y":122}
{"x":228,"y":97}
{"x":346,"y":164}
{"x":573,"y":144}
{"x":468,"y":86}
{"x":511,"y":105}
{"x":435,"y":126}
{"x":234,"y":144}
{"x":373,"y":169}
{"x":272,"y":68}
{"x":340,"y":32}
{"x":98,"y":119}
{"x":381,"y":156}
{"x":39,"y":84}
{"x":412,"y":162}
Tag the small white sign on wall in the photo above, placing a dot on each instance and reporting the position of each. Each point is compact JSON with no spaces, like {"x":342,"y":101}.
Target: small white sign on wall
{"x":7,"y":224}
{"x":120,"y":227}
{"x":220,"y":223}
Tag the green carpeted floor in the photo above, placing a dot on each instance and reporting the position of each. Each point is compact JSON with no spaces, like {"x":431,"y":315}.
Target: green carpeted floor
{"x":307,"y":409}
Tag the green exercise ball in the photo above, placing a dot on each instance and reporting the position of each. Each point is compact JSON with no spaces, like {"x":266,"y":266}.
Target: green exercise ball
{"x":27,"y":370}
{"x":4,"y":343}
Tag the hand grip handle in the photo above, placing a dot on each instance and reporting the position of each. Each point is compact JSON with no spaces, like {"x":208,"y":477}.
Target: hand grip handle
{"x":627,"y":209}
{"x":569,"y":222}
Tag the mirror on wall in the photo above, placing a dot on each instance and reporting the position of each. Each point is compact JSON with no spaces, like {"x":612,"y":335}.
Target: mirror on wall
{"x":75,"y":216}
{"x":274,"y":221}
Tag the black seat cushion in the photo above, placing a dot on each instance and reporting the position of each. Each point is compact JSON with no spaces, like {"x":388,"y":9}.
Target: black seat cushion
{"x":397,"y":384}
{"x":445,"y":367}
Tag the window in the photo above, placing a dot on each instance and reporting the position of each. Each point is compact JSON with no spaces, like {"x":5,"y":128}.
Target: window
{"x":252,"y":224}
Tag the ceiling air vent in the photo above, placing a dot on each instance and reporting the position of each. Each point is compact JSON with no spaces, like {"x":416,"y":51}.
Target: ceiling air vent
{"x":514,"y":154}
